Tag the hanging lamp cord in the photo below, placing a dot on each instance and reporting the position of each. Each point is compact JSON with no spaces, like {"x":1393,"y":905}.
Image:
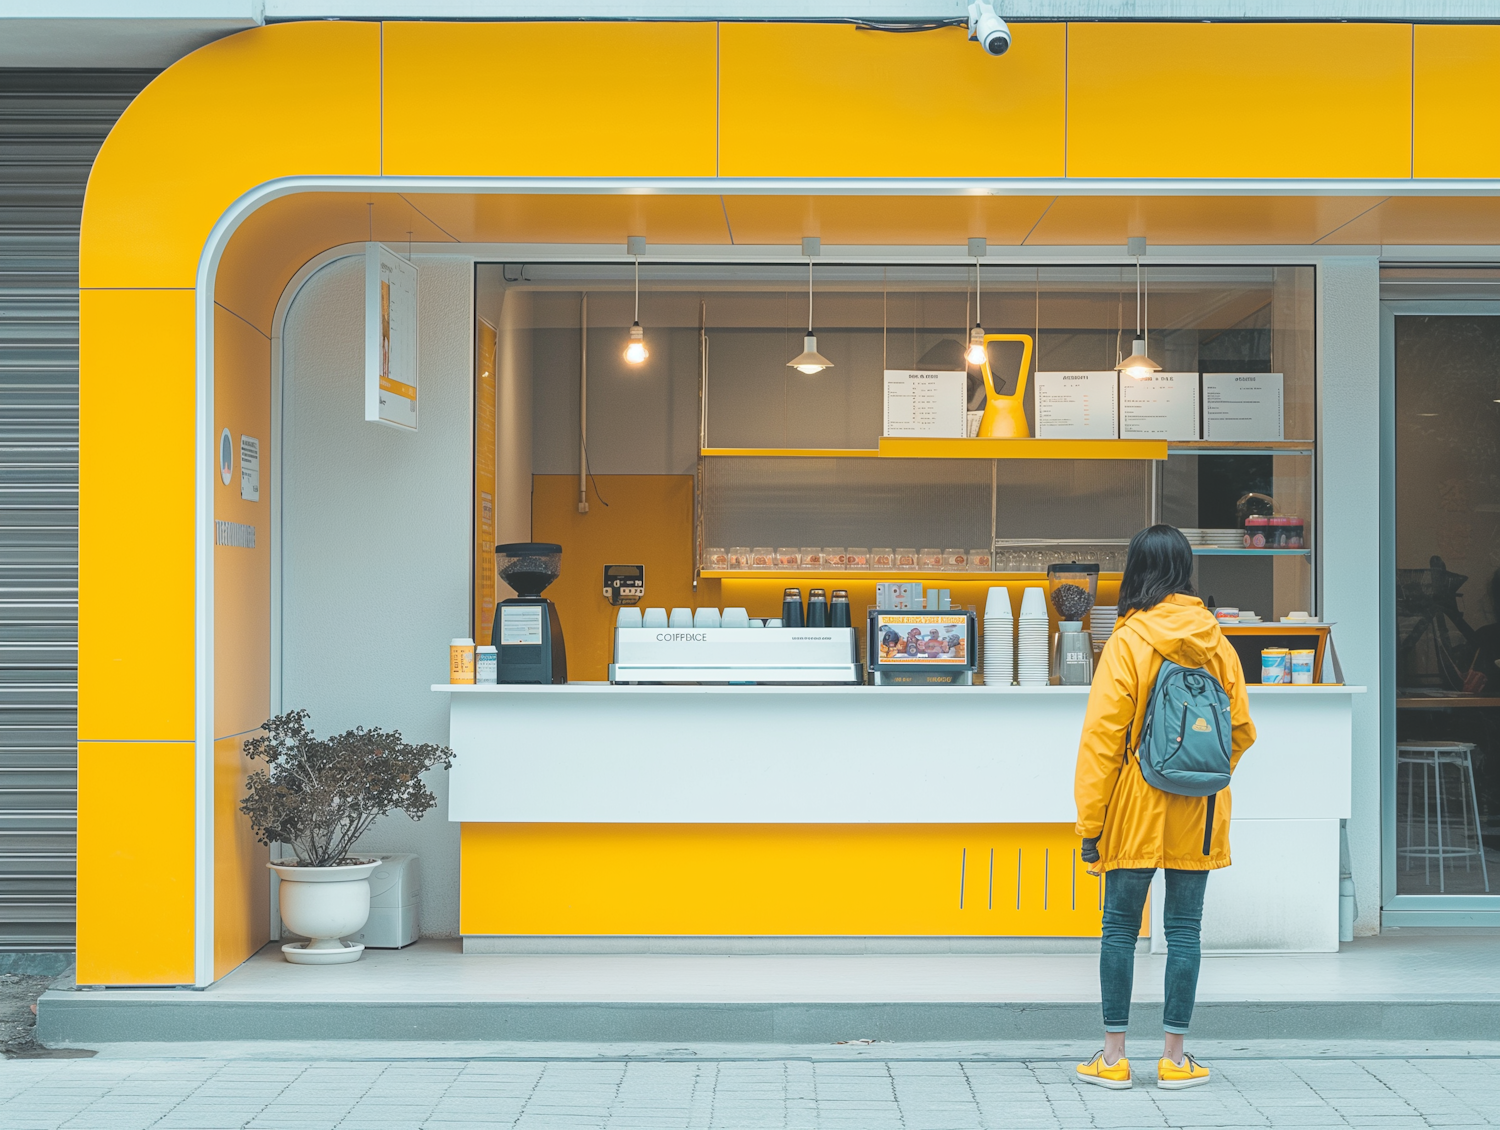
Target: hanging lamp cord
{"x":637,"y":288}
{"x":978,"y":309}
{"x":809,"y":295}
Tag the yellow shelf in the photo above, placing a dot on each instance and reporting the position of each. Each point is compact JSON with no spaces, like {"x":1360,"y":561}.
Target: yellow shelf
{"x":792,"y":452}
{"x":906,"y":448}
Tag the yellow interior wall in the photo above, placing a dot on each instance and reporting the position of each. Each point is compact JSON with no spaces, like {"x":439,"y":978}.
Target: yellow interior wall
{"x":1239,"y":100}
{"x":649,"y":521}
{"x":776,"y":879}
{"x":309,"y":98}
{"x":242,"y":640}
{"x":136,"y":833}
{"x":833,"y":100}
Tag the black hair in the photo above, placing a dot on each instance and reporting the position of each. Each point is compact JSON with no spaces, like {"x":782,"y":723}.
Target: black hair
{"x":1158,"y":564}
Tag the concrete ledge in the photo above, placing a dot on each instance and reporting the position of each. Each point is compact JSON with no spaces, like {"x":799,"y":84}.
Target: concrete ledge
{"x":770,"y":944}
{"x":91,"y":1018}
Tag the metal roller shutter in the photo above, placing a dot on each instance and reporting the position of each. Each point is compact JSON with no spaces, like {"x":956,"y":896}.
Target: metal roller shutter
{"x":51,"y":126}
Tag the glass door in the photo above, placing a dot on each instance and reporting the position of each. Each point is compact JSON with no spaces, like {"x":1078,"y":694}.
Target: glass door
{"x":1442,"y":627}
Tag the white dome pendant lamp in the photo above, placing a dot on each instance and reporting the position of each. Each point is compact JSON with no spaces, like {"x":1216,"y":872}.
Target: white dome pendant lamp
{"x":809,"y":361}
{"x":1138,"y":365}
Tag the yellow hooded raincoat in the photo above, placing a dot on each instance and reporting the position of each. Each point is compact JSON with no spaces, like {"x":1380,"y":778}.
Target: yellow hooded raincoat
{"x":1137,"y":824}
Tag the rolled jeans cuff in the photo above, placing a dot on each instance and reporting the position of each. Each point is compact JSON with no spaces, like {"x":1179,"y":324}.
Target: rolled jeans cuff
{"x":1173,"y":1029}
{"x":1123,"y":1026}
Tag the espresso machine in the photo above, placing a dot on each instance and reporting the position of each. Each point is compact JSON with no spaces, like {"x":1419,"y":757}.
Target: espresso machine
{"x":527,"y":635}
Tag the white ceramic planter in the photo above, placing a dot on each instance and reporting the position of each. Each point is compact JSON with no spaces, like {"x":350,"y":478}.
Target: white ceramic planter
{"x":324,"y":904}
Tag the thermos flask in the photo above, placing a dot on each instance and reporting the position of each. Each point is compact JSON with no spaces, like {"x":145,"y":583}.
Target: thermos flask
{"x":838,"y":611}
{"x":817,"y":609}
{"x":791,"y":608}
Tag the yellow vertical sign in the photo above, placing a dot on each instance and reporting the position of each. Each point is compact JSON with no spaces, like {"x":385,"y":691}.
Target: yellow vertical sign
{"x":484,"y":483}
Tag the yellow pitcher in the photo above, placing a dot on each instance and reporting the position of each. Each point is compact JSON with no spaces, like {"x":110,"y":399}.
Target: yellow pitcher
{"x":1005,"y":413}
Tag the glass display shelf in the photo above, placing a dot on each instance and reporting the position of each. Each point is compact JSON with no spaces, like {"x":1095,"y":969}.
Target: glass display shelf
{"x":894,"y":575}
{"x":1219,"y":551}
{"x":902,"y":447}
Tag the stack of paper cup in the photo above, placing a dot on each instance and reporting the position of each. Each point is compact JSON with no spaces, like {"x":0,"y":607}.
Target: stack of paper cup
{"x":1033,"y":662}
{"x":1102,"y":622}
{"x":999,"y":639}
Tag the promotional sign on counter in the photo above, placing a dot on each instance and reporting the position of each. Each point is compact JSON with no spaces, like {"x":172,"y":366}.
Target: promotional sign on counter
{"x":1160,"y":406}
{"x":1078,"y":405}
{"x":1239,"y":406}
{"x":929,"y":404}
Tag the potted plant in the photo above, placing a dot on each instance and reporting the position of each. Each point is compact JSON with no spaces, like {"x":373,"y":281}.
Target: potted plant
{"x":320,"y":796}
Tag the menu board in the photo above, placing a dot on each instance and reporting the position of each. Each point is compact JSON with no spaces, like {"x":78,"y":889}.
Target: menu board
{"x":926,"y":403}
{"x":1160,"y":406}
{"x":1239,"y":406}
{"x":1078,"y":405}
{"x":390,"y":338}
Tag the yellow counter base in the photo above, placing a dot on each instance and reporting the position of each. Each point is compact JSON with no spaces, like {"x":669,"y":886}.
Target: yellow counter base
{"x":777,"y":880}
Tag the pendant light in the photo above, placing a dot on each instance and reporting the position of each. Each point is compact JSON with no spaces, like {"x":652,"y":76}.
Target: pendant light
{"x":1138,"y":365}
{"x":636,"y":351}
{"x":975,"y":355}
{"x":809,"y":361}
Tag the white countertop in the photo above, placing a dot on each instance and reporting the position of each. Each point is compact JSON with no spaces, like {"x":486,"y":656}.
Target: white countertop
{"x":720,"y":688}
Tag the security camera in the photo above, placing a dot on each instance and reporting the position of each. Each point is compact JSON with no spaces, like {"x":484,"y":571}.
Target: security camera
{"x":988,"y":28}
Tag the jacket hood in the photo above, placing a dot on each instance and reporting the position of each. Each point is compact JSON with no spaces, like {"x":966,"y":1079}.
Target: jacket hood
{"x":1180,"y":628}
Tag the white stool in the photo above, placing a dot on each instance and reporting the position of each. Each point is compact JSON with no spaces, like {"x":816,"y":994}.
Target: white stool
{"x":1432,"y":756}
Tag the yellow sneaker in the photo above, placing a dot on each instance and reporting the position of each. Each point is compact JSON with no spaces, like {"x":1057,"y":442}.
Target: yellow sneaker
{"x":1176,"y":1076}
{"x":1115,"y":1076}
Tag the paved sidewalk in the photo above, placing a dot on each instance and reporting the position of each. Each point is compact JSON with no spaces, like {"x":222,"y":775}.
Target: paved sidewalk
{"x":573,"y":1087}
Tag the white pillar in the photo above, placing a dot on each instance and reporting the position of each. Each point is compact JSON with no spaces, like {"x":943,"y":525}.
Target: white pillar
{"x":1349,"y":507}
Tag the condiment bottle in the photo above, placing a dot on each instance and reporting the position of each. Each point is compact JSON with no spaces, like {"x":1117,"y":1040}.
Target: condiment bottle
{"x":839,"y":615}
{"x":817,"y":608}
{"x":461,"y":661}
{"x":791,"y":608}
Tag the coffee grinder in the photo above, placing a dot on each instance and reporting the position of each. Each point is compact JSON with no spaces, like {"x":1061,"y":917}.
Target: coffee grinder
{"x":527,"y":635}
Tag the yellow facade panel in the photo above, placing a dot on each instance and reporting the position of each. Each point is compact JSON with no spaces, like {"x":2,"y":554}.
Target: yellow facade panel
{"x":135,"y":863}
{"x":913,"y":220}
{"x":136,"y":516}
{"x":1239,"y":100}
{"x":283,"y":100}
{"x":833,"y":100}
{"x":549,"y":99}
{"x":1457,"y":115}
{"x":777,"y":879}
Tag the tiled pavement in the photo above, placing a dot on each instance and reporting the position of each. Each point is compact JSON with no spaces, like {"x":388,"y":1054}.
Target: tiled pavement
{"x":740,"y":1088}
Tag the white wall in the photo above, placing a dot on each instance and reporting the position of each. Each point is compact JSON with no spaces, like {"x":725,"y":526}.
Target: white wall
{"x":376,"y":538}
{"x":1349,"y":449}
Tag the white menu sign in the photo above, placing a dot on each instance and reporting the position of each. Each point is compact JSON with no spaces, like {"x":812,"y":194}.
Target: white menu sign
{"x":1078,"y":405}
{"x":1161,"y":406}
{"x":1243,"y":406}
{"x":926,"y":403}
{"x":390,"y":339}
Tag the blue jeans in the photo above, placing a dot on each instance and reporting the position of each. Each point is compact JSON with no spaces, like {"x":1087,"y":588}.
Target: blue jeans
{"x":1125,"y":891}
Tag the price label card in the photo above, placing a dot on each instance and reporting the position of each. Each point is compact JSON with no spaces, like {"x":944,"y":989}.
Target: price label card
{"x":926,"y":403}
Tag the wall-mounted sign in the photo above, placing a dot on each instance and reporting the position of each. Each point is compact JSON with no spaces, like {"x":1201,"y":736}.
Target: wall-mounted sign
{"x":1078,"y":405}
{"x":926,"y":403}
{"x":249,"y":468}
{"x":390,"y":338}
{"x":1243,"y":406}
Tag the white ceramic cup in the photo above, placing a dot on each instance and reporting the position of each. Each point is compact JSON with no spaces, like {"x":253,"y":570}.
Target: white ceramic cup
{"x":654,"y":618}
{"x":680,"y":618}
{"x":628,"y":617}
{"x":756,"y":624}
{"x":734,"y":618}
{"x":706,"y":618}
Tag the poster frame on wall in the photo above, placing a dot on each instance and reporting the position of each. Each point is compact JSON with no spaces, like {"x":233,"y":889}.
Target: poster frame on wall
{"x":391,"y":378}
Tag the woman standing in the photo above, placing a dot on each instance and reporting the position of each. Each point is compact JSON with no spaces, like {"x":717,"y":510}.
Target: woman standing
{"x":1131,"y":828}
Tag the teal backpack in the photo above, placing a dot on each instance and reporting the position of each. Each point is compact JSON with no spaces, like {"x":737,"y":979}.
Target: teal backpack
{"x":1185,"y":738}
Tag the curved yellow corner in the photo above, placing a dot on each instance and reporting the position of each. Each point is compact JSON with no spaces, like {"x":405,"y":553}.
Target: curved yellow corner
{"x":283,"y":100}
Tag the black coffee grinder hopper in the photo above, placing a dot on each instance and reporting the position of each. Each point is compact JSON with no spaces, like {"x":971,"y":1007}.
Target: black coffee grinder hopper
{"x":527,"y":635}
